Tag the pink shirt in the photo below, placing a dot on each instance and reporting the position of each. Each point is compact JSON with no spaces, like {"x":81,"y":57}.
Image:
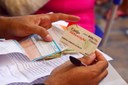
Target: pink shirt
{"x":82,"y":8}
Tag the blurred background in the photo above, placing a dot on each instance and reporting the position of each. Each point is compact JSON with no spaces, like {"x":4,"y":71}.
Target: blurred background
{"x":117,"y":43}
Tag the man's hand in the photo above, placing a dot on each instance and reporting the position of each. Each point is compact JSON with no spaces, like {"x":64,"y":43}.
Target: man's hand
{"x":68,"y":74}
{"x":19,"y":27}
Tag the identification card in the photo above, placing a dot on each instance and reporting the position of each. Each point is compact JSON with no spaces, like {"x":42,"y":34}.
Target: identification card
{"x":80,"y":39}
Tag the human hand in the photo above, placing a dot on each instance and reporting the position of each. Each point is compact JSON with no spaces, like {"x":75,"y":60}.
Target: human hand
{"x":22,"y":26}
{"x":68,"y":74}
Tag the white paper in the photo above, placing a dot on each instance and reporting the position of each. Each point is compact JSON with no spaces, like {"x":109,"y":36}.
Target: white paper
{"x":113,"y":78}
{"x":9,"y":46}
{"x":20,"y":69}
{"x":108,"y":58}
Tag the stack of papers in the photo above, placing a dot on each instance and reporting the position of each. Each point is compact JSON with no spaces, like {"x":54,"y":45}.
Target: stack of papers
{"x":15,"y":67}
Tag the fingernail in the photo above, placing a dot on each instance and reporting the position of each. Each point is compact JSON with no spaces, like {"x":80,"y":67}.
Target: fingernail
{"x":48,"y":38}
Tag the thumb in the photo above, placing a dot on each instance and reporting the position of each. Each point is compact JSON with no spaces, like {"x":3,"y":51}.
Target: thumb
{"x":42,"y":32}
{"x":88,"y":59}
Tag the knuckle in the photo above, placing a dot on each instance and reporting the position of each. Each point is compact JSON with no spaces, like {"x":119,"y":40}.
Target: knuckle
{"x":94,"y":72}
{"x":41,"y":32}
{"x":46,"y":24}
{"x":105,"y":63}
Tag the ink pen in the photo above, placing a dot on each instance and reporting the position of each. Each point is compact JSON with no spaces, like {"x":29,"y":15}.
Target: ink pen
{"x":76,"y":61}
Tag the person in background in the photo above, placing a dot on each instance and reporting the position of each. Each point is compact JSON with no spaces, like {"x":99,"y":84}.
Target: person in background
{"x":123,"y":9}
{"x":82,"y":8}
{"x":66,"y":74}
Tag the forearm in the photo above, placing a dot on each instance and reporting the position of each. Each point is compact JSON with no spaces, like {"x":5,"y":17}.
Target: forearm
{"x":3,"y":26}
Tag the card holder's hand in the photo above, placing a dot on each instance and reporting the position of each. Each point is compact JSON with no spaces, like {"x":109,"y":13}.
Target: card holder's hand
{"x":69,"y":74}
{"x":22,"y":26}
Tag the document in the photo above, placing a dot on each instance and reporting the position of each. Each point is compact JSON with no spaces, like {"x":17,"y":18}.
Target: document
{"x":49,"y":48}
{"x":9,"y":46}
{"x":18,"y":68}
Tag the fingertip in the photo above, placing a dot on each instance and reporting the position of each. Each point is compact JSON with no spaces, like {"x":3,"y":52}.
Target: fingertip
{"x":99,"y":56}
{"x":89,"y":59}
{"x":48,"y":38}
{"x":92,"y":55}
{"x":97,"y":52}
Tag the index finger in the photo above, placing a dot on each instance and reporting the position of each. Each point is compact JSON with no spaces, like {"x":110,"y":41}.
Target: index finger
{"x":99,"y":56}
{"x":101,"y":64}
{"x":66,"y":17}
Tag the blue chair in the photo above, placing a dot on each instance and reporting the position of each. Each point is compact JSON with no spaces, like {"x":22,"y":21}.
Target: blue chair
{"x":98,"y":31}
